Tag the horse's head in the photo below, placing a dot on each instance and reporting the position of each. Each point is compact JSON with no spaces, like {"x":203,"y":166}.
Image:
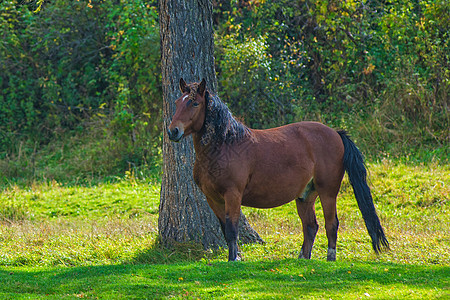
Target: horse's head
{"x":190,"y":110}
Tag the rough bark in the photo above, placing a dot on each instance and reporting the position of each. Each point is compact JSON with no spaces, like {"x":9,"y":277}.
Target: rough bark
{"x":187,"y":51}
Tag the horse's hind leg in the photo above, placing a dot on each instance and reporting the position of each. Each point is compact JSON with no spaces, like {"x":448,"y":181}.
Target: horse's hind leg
{"x":307,"y":214}
{"x":328,"y":200}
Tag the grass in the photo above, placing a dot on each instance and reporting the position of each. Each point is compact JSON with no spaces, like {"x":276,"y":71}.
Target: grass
{"x":279,"y":279}
{"x":100,"y":241}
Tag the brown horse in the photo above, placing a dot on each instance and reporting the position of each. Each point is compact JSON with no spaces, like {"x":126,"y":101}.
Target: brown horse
{"x":236,"y":165}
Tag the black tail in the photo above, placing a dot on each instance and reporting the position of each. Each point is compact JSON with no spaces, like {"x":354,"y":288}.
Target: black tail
{"x":356,"y":170}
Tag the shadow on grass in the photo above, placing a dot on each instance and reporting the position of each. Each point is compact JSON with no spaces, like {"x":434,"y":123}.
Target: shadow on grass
{"x":288,"y":278}
{"x":177,"y":253}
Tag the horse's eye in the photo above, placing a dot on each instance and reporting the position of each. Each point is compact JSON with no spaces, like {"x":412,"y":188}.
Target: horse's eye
{"x":195,"y":104}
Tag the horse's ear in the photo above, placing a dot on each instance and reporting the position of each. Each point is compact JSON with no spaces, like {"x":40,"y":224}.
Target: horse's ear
{"x":183,"y":86}
{"x":202,"y":88}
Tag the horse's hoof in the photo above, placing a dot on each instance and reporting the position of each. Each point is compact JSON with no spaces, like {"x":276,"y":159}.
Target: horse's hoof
{"x":236,"y":259}
{"x":331,"y":255}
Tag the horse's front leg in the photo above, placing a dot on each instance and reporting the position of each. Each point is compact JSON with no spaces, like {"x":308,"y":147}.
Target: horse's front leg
{"x":232,"y":212}
{"x":219,"y":211}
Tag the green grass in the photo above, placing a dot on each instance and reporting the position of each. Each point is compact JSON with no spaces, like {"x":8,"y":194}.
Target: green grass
{"x":280,"y":279}
{"x":101,"y":241}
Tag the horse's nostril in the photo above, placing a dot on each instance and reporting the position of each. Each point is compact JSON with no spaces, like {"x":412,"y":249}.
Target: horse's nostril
{"x":174,"y":134}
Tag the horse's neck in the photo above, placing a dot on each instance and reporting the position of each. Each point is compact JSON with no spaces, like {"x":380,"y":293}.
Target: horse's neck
{"x":202,"y":151}
{"x":197,"y":137}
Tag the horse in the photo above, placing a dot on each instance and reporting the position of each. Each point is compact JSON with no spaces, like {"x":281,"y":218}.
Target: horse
{"x":237,"y":166}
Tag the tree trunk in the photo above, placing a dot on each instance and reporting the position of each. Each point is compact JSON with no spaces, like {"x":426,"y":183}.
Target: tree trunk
{"x":187,"y":51}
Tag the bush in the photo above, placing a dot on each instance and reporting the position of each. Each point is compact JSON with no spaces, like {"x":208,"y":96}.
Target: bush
{"x":378,"y":69}
{"x":76,"y":65}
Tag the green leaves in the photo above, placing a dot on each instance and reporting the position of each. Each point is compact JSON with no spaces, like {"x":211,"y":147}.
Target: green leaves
{"x":339,"y":62}
{"x":80,"y":62}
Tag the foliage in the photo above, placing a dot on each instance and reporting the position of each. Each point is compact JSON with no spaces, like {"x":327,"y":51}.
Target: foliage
{"x":259,"y":60}
{"x":134,"y":78}
{"x":75,"y":65}
{"x":375,"y":68}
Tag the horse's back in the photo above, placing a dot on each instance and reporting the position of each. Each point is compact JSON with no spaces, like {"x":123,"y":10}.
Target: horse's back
{"x":314,"y":140}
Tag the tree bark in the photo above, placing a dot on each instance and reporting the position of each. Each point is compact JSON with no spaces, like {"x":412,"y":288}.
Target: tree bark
{"x":187,"y":51}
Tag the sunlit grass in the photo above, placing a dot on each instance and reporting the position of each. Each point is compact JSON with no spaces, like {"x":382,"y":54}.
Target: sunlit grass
{"x":412,"y":203}
{"x":101,"y":241}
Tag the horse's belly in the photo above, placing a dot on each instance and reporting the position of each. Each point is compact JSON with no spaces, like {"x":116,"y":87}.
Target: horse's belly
{"x":265,"y":201}
{"x":275,"y":189}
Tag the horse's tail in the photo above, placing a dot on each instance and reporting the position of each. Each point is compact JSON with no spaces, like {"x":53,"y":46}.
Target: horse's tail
{"x":354,"y":165}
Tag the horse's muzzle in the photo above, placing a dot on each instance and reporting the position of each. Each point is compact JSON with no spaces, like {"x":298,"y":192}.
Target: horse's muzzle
{"x":175,"y":135}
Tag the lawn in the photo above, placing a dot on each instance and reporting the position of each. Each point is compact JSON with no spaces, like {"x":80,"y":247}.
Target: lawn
{"x":100,"y":241}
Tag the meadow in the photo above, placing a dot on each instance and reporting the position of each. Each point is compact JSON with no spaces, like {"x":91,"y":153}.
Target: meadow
{"x":80,"y":109}
{"x":100,"y":241}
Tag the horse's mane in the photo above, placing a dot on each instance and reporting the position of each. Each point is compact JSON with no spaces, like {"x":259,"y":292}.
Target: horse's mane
{"x":220,"y":126}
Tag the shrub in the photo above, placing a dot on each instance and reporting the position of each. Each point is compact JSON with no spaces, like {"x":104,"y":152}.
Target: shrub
{"x":75,"y":65}
{"x":375,"y":68}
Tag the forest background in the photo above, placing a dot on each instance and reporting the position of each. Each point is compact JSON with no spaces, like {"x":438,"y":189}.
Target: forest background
{"x":80,"y":84}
